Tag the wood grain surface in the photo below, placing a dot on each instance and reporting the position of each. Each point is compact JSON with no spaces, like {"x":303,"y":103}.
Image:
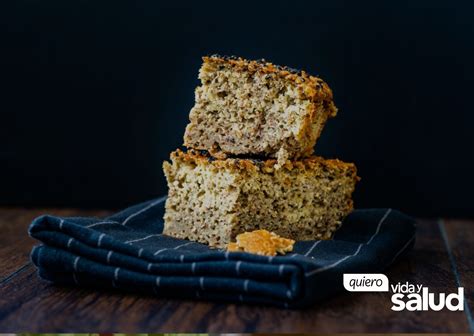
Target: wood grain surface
{"x":15,"y":244}
{"x":442,"y":259}
{"x":459,"y":241}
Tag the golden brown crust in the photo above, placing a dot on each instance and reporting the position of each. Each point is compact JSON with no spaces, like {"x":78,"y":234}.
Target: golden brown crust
{"x":261,"y":242}
{"x":310,"y":87}
{"x":265,"y":165}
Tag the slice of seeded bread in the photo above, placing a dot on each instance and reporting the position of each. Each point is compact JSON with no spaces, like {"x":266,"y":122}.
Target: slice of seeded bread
{"x":257,"y":108}
{"x":212,"y":200}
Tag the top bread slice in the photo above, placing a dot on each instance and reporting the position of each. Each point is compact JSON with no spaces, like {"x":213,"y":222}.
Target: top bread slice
{"x":256,"y":108}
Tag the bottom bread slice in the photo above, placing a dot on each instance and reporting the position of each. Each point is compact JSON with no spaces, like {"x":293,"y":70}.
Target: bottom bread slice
{"x":211,"y":201}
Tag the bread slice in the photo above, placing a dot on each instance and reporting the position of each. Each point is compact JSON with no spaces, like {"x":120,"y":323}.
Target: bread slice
{"x":211,"y":200}
{"x":257,"y":108}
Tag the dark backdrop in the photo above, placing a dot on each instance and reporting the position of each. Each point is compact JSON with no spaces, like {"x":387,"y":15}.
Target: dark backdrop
{"x":96,"y":94}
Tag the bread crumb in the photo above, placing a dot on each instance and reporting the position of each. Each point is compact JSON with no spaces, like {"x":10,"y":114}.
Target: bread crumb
{"x":261,"y":242}
{"x":233,"y":247}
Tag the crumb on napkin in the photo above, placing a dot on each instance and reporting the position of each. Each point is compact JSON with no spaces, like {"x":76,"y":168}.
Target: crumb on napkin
{"x":261,"y":242}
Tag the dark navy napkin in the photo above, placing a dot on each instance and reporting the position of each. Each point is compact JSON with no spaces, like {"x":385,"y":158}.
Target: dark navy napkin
{"x":127,"y":251}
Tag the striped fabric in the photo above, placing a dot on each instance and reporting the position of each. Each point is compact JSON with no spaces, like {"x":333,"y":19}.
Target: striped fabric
{"x":127,"y":251}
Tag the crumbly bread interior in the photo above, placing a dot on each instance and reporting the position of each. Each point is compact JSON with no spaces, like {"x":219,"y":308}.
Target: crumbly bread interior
{"x":212,"y":201}
{"x":244,"y":110}
{"x":201,"y":202}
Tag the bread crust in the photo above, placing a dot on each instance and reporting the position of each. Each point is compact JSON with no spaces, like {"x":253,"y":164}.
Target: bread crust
{"x":202,"y":157}
{"x":310,"y":87}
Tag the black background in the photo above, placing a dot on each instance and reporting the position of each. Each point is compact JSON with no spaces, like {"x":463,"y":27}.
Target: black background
{"x":96,"y":94}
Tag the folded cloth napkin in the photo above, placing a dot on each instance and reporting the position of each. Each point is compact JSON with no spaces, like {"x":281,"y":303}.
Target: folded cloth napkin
{"x":127,"y":251}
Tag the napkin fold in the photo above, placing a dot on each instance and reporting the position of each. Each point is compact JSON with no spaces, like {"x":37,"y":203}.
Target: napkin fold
{"x":128,"y":251}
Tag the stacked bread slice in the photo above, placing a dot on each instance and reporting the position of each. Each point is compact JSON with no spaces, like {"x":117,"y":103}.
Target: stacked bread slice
{"x":249,"y":162}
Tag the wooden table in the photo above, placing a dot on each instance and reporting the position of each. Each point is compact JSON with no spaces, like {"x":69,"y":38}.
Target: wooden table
{"x":443,"y":259}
